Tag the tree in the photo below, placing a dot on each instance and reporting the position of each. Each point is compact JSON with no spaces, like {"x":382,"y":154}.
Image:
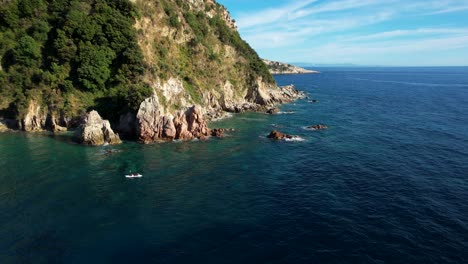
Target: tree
{"x":94,"y":65}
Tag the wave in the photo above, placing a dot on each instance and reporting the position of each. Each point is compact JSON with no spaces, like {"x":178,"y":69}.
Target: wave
{"x":224,"y":116}
{"x":295,"y":139}
{"x":309,"y":128}
{"x":251,"y":119}
{"x":414,"y":83}
{"x":286,"y":112}
{"x":277,"y":125}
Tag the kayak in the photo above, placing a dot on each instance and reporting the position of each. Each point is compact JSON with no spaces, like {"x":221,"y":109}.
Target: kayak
{"x":134,"y":176}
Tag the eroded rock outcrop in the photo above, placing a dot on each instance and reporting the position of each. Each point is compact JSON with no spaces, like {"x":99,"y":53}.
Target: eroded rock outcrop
{"x":3,"y":126}
{"x":35,"y":118}
{"x":95,"y":131}
{"x":154,"y":125}
{"x":191,"y":124}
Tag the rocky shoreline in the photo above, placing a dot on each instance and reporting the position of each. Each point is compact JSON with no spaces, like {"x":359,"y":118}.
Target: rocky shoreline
{"x":151,"y":123}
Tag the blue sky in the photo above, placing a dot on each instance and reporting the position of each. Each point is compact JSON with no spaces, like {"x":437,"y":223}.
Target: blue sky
{"x":363,"y":32}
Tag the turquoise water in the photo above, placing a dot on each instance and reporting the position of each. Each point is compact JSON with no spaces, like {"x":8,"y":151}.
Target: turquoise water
{"x":386,"y":183}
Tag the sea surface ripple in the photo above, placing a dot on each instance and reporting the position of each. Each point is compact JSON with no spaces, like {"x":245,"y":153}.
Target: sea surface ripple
{"x":387,"y":182}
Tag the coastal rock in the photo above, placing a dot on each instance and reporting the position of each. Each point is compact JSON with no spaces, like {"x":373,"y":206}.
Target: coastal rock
{"x":34,"y":120}
{"x":318,"y":127}
{"x":217,"y":132}
{"x":52,"y":124}
{"x":3,"y":126}
{"x":95,"y":131}
{"x":273,"y":110}
{"x":279,"y":136}
{"x":153,"y":125}
{"x":191,"y":124}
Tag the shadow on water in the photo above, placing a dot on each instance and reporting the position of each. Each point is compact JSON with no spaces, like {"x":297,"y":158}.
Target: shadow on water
{"x":43,"y":248}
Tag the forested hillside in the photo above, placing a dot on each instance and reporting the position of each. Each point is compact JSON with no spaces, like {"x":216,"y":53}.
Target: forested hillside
{"x":61,"y":58}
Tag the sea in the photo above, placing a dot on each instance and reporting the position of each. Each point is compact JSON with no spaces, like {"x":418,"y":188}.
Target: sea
{"x":387,"y":182}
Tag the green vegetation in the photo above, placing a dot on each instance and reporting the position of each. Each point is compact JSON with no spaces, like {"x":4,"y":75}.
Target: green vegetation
{"x":70,"y":48}
{"x":74,"y":55}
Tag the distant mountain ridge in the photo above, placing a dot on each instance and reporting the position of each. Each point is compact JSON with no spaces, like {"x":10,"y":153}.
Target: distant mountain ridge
{"x":276,"y":67}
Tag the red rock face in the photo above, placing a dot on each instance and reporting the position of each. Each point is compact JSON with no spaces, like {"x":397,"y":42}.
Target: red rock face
{"x":190,"y":125}
{"x":153,"y":126}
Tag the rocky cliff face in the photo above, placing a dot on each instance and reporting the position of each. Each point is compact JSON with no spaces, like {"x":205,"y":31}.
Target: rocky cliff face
{"x":276,"y":67}
{"x":158,"y":70}
{"x":154,"y":125}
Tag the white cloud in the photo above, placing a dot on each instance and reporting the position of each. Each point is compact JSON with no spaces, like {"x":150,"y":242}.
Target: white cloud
{"x":271,"y":15}
{"x":414,"y":33}
{"x":348,"y":29}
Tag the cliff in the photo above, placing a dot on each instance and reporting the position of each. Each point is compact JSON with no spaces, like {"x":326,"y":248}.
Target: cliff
{"x":284,"y":68}
{"x":63,"y":58}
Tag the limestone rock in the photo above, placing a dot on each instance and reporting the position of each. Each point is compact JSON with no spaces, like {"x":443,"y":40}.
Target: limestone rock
{"x":95,"y":131}
{"x":217,"y":132}
{"x":34,"y":120}
{"x":3,"y":126}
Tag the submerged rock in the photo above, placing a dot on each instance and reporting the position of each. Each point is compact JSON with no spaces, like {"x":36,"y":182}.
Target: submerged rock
{"x":34,"y":119}
{"x":318,"y":127}
{"x":95,"y":131}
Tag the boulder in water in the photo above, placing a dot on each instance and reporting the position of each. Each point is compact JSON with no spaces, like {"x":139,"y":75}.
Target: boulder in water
{"x":279,"y":136}
{"x":95,"y":131}
{"x":273,"y":110}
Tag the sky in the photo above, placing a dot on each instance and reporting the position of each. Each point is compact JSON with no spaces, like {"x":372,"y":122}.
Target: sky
{"x":361,"y":32}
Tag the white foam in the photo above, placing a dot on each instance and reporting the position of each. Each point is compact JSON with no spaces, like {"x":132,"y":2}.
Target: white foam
{"x":224,"y":116}
{"x":295,"y":139}
{"x":309,"y":128}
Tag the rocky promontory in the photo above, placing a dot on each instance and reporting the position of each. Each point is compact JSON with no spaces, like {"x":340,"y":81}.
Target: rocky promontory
{"x":156,"y":70}
{"x":276,"y":67}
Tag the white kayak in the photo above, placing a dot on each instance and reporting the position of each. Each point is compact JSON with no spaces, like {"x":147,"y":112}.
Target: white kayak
{"x":134,"y":176}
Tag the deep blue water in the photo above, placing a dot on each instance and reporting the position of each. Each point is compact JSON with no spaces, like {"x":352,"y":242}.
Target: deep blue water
{"x":386,"y":183}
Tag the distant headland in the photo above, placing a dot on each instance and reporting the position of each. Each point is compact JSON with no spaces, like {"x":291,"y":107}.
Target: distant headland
{"x":276,"y":67}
